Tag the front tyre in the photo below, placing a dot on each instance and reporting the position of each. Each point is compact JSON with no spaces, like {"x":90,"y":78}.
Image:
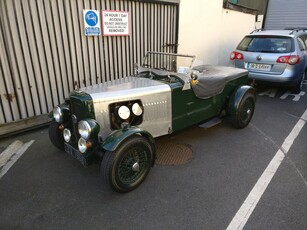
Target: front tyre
{"x":56,"y":135}
{"x":127,"y":167}
{"x":245,"y":111}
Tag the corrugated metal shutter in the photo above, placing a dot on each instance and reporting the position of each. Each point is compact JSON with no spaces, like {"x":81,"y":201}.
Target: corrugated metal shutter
{"x":285,"y":13}
{"x":44,"y":54}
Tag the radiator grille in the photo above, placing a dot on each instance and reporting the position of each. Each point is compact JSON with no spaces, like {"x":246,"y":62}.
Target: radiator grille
{"x":78,"y":110}
{"x":77,"y":114}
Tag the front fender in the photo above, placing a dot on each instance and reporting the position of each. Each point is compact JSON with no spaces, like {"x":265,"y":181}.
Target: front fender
{"x":237,"y":96}
{"x":117,"y":137}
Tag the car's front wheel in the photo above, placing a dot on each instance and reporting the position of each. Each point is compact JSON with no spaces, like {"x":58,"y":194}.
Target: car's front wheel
{"x":245,"y":111}
{"x":127,"y":167}
{"x":56,"y":135}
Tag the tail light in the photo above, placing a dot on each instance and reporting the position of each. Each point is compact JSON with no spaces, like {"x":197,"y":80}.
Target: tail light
{"x":290,"y":59}
{"x":236,"y":56}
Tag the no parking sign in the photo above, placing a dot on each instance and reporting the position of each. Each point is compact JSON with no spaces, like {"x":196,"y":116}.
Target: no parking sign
{"x":91,"y":23}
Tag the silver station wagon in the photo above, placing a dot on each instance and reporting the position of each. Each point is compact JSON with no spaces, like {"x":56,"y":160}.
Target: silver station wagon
{"x":274,"y":57}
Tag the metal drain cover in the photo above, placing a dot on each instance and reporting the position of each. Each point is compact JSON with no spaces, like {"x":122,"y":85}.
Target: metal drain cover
{"x":170,"y":153}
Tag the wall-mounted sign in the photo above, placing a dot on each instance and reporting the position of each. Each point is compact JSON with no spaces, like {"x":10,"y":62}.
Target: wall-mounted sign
{"x":115,"y":23}
{"x":91,"y":22}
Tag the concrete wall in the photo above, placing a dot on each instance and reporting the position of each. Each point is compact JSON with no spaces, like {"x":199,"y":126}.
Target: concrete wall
{"x":211,"y":32}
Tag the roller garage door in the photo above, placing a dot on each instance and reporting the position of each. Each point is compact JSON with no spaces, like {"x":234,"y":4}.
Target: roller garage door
{"x":284,"y":13}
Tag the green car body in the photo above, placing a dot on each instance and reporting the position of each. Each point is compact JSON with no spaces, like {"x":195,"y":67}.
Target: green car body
{"x":118,"y":121}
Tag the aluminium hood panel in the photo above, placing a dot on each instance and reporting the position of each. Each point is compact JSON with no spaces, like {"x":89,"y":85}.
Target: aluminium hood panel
{"x":154,"y":95}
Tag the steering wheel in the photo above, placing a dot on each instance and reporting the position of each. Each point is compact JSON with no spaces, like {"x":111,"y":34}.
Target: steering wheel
{"x":147,"y":65}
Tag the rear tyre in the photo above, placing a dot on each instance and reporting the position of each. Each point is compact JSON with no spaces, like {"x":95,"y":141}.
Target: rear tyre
{"x":299,"y":87}
{"x":245,"y":111}
{"x":127,"y":167}
{"x":56,"y":135}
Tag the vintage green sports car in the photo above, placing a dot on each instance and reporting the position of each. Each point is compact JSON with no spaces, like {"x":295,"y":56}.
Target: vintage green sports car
{"x":118,"y":121}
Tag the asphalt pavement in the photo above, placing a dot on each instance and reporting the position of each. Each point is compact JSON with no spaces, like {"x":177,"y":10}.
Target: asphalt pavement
{"x":47,"y":189}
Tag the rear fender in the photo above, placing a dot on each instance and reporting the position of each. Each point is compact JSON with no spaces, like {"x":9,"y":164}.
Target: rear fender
{"x":237,"y":96}
{"x":115,"y":139}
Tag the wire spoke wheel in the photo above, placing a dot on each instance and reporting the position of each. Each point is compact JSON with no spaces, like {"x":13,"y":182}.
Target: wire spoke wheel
{"x":128,"y":166}
{"x":132,"y":166}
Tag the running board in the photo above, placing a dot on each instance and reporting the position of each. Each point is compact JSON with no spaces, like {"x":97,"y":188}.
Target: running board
{"x":211,"y":123}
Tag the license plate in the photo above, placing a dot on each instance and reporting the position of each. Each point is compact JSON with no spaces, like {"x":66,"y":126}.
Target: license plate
{"x":75,"y":154}
{"x":257,"y":66}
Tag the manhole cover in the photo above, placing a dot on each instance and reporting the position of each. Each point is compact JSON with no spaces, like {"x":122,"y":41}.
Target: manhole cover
{"x":170,"y":153}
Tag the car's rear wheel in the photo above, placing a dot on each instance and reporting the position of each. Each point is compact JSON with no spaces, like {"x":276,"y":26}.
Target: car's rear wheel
{"x":127,"y":167}
{"x":56,"y":135}
{"x":299,"y":87}
{"x":245,"y":111}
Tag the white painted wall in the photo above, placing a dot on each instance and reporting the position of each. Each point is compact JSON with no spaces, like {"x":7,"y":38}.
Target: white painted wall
{"x":211,"y":32}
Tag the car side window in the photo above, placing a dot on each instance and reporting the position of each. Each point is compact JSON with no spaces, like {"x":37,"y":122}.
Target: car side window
{"x":301,"y":43}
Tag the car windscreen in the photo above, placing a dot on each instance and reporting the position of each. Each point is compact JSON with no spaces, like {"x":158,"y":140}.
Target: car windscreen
{"x":169,"y":62}
{"x":267,"y":44}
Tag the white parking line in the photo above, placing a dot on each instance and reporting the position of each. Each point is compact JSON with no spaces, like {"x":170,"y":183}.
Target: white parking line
{"x":11,"y":154}
{"x":248,"y":206}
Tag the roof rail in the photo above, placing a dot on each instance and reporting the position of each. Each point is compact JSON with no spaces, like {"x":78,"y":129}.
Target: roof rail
{"x":296,"y":29}
{"x":256,"y":30}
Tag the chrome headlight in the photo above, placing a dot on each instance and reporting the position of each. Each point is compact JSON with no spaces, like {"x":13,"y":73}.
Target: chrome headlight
{"x":67,"y":135}
{"x":137,"y":109}
{"x":57,"y":114}
{"x":84,"y":129}
{"x":82,"y":145}
{"x":124,"y":112}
